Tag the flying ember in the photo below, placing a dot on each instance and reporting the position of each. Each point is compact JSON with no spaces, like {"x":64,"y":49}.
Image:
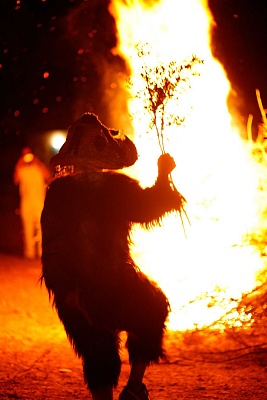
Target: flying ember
{"x":178,"y":101}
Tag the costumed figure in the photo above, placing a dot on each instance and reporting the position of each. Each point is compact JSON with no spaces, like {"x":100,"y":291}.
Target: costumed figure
{"x":94,"y":284}
{"x":31,"y":175}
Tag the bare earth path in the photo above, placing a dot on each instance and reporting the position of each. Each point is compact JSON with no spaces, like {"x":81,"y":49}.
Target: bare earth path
{"x":37,"y":363}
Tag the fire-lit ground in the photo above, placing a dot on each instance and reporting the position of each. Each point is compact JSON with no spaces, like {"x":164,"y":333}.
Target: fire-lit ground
{"x":36,"y":361}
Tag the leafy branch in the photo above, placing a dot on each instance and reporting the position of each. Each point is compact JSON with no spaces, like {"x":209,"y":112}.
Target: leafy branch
{"x":163,"y":84}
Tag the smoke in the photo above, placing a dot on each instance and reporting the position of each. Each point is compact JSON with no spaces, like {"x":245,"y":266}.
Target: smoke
{"x":99,"y":75}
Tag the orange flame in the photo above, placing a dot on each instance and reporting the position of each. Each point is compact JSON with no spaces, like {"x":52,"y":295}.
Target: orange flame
{"x":215,"y":171}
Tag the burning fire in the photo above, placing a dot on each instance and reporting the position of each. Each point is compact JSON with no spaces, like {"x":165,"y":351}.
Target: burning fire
{"x":205,"y":272}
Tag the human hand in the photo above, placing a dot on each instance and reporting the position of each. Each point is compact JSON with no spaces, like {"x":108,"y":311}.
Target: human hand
{"x":166,"y":164}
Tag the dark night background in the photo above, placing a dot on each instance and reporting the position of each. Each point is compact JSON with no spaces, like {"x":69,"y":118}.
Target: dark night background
{"x":71,"y":40}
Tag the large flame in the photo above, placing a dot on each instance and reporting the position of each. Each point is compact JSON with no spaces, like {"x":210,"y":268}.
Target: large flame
{"x":215,"y":171}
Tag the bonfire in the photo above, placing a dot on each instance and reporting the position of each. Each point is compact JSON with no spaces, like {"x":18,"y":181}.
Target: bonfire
{"x":214,"y":276}
{"x":244,"y":326}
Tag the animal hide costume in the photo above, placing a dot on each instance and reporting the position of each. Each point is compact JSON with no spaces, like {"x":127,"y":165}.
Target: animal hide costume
{"x":96,"y":288}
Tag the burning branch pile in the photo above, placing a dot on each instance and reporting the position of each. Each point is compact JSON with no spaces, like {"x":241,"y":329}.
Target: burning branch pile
{"x":250,"y":312}
{"x":255,"y":303}
{"x":240,"y":334}
{"x":244,"y":325}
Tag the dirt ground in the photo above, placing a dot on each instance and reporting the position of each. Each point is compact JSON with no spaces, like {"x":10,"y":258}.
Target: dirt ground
{"x":37,"y":363}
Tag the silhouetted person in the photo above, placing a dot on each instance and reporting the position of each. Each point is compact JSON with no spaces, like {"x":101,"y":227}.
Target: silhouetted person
{"x":31,"y":175}
{"x":97,"y":289}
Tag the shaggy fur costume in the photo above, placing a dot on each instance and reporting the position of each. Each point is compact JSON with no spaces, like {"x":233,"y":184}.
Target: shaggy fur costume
{"x":97,"y":289}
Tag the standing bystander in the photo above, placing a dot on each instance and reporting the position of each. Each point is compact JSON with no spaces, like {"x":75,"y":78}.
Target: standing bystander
{"x":31,"y":175}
